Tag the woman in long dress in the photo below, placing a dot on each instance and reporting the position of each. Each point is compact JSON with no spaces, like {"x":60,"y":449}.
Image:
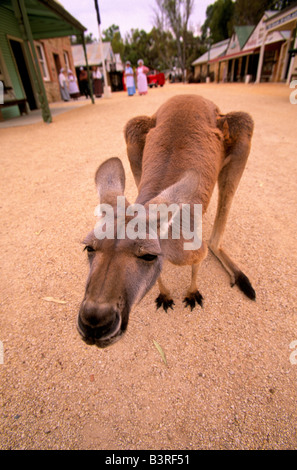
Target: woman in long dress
{"x":97,"y":82}
{"x":63,"y":86}
{"x":129,"y":76}
{"x":142,"y":71}
{"x":73,"y":87}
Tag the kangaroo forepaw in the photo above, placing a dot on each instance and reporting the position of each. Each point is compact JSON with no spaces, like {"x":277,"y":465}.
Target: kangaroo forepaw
{"x":163,"y":301}
{"x":192,"y":298}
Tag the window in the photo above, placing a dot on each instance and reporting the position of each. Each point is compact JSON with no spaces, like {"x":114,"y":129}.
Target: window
{"x":42,"y":61}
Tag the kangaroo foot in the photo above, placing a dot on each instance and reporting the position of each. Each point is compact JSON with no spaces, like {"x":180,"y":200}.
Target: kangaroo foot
{"x":244,"y":285}
{"x":192,"y":298}
{"x":163,"y":301}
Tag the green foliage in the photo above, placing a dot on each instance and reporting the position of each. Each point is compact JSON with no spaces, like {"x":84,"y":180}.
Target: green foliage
{"x":247,"y":12}
{"x":251,"y":12}
{"x":162,"y":50}
{"x":223,"y":15}
{"x":109,"y":33}
{"x":113,"y":35}
{"x":137,"y":46}
{"x":219,"y":20}
{"x":89,"y":39}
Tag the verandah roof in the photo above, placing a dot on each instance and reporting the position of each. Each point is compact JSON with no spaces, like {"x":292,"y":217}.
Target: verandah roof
{"x":48,"y":19}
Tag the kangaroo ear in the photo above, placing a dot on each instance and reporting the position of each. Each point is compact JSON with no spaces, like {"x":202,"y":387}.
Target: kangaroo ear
{"x":182,"y":192}
{"x":110,"y":180}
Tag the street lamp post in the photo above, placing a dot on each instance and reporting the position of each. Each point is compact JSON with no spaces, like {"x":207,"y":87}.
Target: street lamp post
{"x":106,"y":88}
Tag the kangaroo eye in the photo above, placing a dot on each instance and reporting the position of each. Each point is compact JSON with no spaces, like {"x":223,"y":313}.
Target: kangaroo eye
{"x":89,"y":249}
{"x":148,"y":257}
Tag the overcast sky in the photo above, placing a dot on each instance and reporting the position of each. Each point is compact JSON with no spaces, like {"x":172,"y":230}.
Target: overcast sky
{"x":126,"y":14}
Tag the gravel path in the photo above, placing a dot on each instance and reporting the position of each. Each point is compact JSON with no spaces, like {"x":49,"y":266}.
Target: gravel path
{"x":231,"y":378}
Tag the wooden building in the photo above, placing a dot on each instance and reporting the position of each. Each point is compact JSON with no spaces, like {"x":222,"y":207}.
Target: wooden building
{"x":34,"y":44}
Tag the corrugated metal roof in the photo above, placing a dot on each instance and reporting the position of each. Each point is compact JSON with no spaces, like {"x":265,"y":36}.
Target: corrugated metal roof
{"x":93,"y":53}
{"x":48,"y":19}
{"x":243,"y":33}
{"x":216,"y":51}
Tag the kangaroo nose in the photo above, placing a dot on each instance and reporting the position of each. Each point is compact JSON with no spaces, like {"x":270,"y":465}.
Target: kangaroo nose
{"x":98,"y":322}
{"x":98,"y":315}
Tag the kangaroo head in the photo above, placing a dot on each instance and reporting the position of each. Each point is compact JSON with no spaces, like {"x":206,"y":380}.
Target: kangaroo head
{"x":124,"y":264}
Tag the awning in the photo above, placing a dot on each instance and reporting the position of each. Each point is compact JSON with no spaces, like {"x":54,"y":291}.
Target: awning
{"x":48,"y":19}
{"x":215,"y":51}
{"x":235,"y":55}
{"x":243,"y":53}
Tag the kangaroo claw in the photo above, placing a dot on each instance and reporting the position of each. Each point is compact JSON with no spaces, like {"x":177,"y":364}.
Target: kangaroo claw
{"x":165,"y":302}
{"x":193,"y":298}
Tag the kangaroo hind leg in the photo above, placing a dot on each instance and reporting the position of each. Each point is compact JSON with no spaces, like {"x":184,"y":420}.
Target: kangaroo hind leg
{"x":237,"y":128}
{"x":135,"y":132}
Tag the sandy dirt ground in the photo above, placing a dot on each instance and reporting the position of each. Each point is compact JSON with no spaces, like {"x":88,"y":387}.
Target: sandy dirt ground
{"x":231,"y":376}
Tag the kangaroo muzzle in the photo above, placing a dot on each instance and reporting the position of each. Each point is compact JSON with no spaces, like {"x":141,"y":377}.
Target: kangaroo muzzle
{"x":99,"y":324}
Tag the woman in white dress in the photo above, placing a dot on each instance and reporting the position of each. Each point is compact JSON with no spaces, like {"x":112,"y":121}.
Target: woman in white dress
{"x":141,"y":77}
{"x":73,"y":87}
{"x":63,"y":86}
{"x":129,"y":76}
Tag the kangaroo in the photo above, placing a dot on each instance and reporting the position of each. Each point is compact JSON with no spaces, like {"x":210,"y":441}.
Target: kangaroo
{"x":176,"y":156}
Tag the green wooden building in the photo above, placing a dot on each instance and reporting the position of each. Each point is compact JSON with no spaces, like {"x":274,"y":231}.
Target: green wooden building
{"x":22,"y":23}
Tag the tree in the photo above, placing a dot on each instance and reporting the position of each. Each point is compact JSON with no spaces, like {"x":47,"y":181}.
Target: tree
{"x":219,"y":20}
{"x":251,"y":11}
{"x":136,"y":46}
{"x":113,"y":35}
{"x":175,"y":15}
{"x":109,"y":33}
{"x":89,"y":39}
{"x":162,"y":49}
{"x":195,"y":48}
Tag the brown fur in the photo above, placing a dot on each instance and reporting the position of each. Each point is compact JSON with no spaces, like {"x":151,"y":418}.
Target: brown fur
{"x":176,"y":156}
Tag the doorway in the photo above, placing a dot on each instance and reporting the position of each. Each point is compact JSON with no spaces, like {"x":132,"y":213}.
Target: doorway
{"x":16,"y":47}
{"x":253,"y":65}
{"x":57,"y":63}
